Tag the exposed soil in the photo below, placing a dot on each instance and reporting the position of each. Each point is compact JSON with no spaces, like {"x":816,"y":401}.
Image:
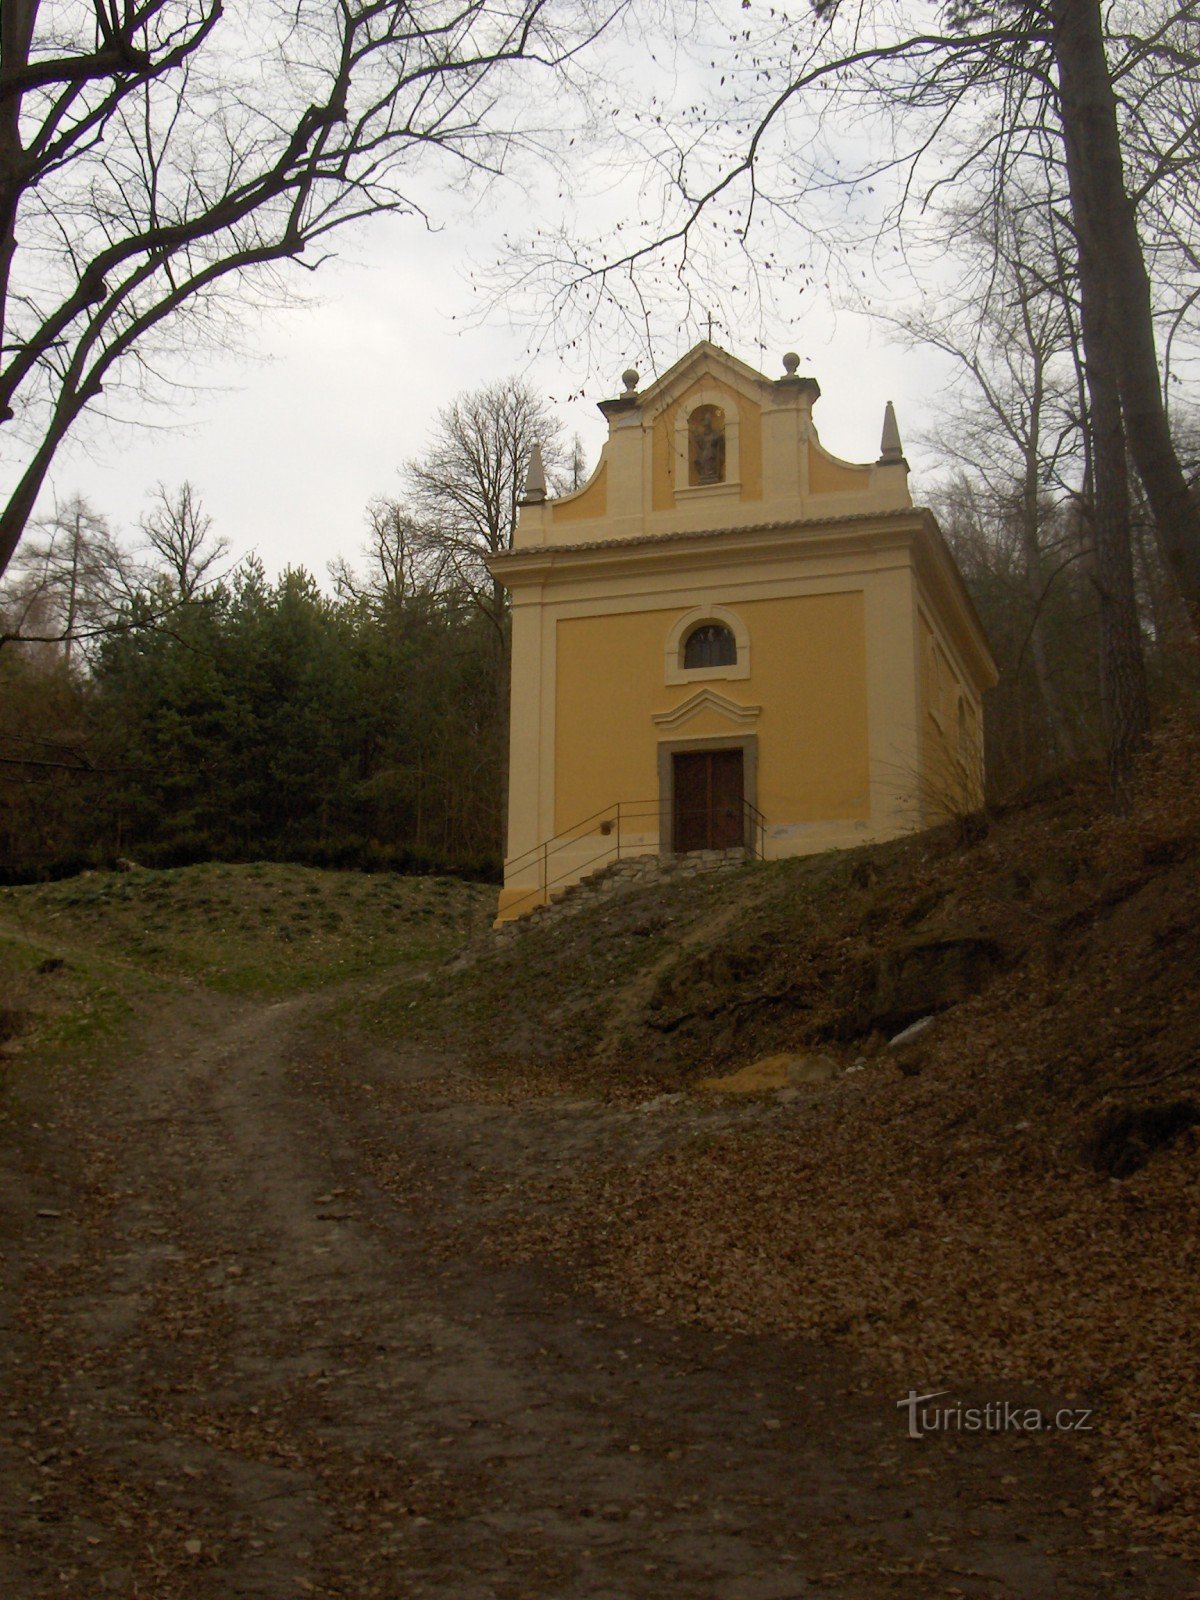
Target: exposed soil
{"x":1013,"y":1196}
{"x":449,"y":1282}
{"x":251,"y":1347}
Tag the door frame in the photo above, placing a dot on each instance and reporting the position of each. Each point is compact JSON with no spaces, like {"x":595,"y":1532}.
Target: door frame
{"x":747,"y":743}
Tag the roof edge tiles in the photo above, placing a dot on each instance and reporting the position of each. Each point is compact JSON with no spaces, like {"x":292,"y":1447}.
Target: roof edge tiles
{"x":900,"y":514}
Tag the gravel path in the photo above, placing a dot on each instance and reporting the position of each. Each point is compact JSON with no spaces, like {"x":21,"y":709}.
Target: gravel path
{"x":232,"y":1365}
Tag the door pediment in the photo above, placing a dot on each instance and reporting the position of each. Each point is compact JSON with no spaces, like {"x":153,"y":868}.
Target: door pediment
{"x":706,"y":700}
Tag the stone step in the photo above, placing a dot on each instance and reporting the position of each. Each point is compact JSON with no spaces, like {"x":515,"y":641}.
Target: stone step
{"x":616,"y":877}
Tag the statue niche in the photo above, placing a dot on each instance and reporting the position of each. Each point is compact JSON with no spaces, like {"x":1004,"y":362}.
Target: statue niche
{"x":706,"y":445}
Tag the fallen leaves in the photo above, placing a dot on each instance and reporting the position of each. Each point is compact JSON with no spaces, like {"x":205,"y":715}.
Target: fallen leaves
{"x":946,"y":1224}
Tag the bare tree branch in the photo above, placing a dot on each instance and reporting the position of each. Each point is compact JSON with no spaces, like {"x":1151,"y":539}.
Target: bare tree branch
{"x":155,"y":155}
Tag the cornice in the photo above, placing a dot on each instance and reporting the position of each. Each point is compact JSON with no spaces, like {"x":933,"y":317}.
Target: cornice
{"x":912,"y":530}
{"x":873,"y":529}
{"x":939,"y":577}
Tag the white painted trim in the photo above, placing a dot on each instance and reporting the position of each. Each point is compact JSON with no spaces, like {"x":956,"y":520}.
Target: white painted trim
{"x":705,"y":700}
{"x":674,"y":670}
{"x":725,"y":490}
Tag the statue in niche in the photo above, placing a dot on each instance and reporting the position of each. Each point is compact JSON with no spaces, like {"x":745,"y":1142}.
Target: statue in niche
{"x":706,"y":436}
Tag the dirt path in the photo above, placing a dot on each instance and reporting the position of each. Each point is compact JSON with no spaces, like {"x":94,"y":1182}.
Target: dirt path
{"x":233,"y":1365}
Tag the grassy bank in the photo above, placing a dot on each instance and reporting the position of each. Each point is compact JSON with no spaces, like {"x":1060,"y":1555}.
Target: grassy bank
{"x":252,"y":930}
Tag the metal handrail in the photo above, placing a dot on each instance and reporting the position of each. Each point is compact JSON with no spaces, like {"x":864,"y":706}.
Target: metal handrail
{"x":754,"y":834}
{"x":578,"y":829}
{"x":759,"y":824}
{"x":544,"y":888}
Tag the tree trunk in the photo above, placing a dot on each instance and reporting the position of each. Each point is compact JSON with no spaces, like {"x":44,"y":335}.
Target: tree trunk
{"x":1065,"y":745}
{"x":1106,"y":228}
{"x":1095,"y":182}
{"x":16,"y":33}
{"x":1122,"y":661}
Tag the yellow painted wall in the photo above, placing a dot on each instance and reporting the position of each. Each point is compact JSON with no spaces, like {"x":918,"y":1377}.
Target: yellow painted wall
{"x":662,"y":460}
{"x":948,"y":785}
{"x":662,"y":463}
{"x":750,"y":446}
{"x":591,"y":501}
{"x":808,"y":672}
{"x":826,"y":476}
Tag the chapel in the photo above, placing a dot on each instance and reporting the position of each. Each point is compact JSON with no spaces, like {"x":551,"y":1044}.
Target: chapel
{"x":730,"y":640}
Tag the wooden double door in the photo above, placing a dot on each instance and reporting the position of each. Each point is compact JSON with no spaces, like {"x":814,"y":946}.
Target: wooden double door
{"x":708,"y":800}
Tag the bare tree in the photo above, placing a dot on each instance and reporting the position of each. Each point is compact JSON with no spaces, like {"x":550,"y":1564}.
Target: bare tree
{"x":161,"y":159}
{"x":179,"y":531}
{"x":466,"y":489}
{"x":1028,"y":734}
{"x":397,"y":567}
{"x":575,"y":475}
{"x":964,"y":97}
{"x":1025,"y":427}
{"x":464,"y":495}
{"x":1117,"y":298}
{"x":72,"y":582}
{"x":1012,"y":421}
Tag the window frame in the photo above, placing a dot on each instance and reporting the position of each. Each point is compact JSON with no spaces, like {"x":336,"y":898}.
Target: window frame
{"x":723,"y":633}
{"x":685,"y":626}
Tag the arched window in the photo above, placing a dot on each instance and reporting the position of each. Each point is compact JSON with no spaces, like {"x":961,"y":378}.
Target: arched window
{"x":706,"y":445}
{"x":712,"y":644}
{"x":709,"y":641}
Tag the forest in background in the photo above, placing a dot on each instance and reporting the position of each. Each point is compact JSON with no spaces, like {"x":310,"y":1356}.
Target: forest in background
{"x":260,"y":720}
{"x":159,"y":704}
{"x":1038,"y":603}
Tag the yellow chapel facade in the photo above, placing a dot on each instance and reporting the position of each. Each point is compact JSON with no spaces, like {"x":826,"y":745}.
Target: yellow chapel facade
{"x":730,"y":640}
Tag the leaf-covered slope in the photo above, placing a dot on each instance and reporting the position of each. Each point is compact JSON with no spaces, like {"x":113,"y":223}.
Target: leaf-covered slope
{"x":1007,"y":1206}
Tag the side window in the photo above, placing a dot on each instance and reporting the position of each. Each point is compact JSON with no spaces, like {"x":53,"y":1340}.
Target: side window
{"x":710,"y":645}
{"x":706,"y":445}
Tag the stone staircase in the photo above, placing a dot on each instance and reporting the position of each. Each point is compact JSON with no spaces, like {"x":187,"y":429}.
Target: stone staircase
{"x":617,"y":878}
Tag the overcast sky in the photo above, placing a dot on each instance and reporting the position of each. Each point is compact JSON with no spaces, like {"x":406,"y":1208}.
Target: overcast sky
{"x":286,"y":443}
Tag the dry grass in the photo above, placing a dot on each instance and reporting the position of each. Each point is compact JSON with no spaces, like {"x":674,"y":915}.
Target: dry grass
{"x":260,"y":929}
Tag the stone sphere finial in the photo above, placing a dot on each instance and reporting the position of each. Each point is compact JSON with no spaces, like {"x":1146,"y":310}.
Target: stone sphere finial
{"x":790,"y":362}
{"x":630,"y":378}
